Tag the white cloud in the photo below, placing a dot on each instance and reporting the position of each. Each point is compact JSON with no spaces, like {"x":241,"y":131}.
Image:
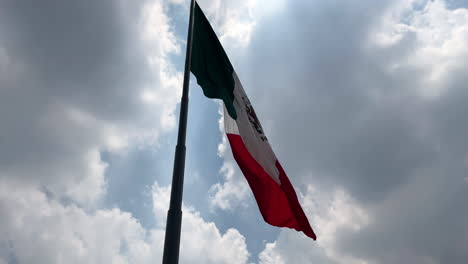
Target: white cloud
{"x":234,"y":191}
{"x":328,"y":214}
{"x":440,"y":37}
{"x":331,"y":214}
{"x":234,"y":21}
{"x":270,"y":255}
{"x":87,"y":189}
{"x":201,"y":241}
{"x":38,"y":229}
{"x":41,"y":230}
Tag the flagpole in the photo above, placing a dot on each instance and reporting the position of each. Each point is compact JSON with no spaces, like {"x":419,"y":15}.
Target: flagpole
{"x":174,"y":214}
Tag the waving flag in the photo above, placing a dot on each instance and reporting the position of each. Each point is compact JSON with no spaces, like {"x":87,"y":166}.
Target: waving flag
{"x":270,"y":185}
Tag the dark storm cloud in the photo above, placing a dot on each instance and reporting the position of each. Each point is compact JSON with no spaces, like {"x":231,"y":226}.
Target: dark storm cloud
{"x":428,"y":216}
{"x":328,"y":79}
{"x":70,"y":69}
{"x":75,"y":50}
{"x":341,"y":118}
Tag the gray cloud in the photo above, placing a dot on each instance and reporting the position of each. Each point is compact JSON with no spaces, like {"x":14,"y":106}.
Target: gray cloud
{"x":72,"y":84}
{"x":323,"y":85}
{"x":384,"y":121}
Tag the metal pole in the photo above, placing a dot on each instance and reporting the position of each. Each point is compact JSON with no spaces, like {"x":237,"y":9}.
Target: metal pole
{"x":174,"y":214}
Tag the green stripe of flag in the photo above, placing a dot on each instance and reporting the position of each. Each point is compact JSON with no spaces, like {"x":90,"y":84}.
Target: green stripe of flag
{"x":210,"y":64}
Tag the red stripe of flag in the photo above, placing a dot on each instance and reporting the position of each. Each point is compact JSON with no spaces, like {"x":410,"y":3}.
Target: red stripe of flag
{"x":278,"y":204}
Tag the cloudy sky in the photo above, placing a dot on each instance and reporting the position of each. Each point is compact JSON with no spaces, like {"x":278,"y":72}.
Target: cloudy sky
{"x":364,"y":103}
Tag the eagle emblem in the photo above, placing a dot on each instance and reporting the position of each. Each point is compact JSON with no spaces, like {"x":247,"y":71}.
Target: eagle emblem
{"x":253,"y":118}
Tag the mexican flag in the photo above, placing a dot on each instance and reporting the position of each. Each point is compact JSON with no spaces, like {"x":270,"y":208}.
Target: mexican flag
{"x":270,"y":185}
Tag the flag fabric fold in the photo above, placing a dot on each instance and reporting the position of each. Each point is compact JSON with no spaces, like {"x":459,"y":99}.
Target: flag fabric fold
{"x":275,"y":196}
